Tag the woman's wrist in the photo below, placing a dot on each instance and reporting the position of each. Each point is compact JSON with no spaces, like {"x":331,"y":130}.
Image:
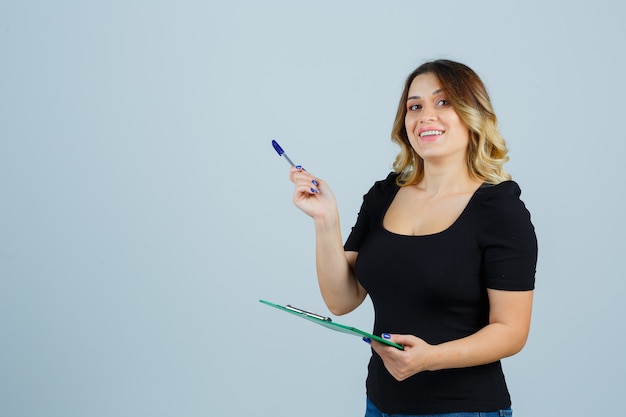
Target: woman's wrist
{"x":326,"y":221}
{"x":440,"y":357}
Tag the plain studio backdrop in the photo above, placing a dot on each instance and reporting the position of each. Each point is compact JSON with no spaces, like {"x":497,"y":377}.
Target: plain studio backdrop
{"x":143,"y":211}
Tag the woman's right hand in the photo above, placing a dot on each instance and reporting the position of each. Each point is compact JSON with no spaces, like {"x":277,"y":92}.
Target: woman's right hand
{"x":312,"y":195}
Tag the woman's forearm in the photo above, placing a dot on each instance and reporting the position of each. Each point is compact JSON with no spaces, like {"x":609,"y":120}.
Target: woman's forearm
{"x":492,"y":343}
{"x":338,"y":285}
{"x":504,"y":336}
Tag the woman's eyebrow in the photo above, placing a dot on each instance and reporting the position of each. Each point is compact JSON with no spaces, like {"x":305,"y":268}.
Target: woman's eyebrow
{"x":418,"y":97}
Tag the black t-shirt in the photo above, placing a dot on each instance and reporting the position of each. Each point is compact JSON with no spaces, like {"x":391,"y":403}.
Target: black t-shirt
{"x":435,"y":287}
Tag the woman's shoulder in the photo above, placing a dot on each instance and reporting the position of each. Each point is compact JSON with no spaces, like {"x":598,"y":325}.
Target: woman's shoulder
{"x":389,"y":181}
{"x":502,"y":199}
{"x":381,"y":191}
{"x":387,"y":185}
{"x":504,"y":190}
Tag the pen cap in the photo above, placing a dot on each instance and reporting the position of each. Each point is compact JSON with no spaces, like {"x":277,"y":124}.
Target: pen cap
{"x":277,"y":148}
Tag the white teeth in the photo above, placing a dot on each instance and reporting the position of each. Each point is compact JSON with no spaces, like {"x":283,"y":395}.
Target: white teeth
{"x":431,"y":133}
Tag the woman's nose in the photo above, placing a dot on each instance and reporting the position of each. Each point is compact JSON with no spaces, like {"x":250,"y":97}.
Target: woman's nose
{"x":428,"y":114}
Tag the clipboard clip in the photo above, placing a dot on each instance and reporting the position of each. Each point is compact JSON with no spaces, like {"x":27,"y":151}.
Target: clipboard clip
{"x":308,"y":313}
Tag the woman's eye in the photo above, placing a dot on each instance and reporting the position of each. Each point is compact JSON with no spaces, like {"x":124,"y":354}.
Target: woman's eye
{"x":443,"y":102}
{"x":414,"y":107}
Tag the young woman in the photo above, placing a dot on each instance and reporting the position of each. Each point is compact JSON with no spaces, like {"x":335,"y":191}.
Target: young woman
{"x":443,"y":246}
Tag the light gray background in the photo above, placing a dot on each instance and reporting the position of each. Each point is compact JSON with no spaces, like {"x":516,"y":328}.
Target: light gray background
{"x":143,"y":211}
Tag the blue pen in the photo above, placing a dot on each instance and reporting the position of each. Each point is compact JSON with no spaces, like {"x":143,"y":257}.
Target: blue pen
{"x":282,"y":153}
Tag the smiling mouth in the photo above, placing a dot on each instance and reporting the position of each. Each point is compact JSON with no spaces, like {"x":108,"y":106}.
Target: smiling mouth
{"x":431,"y":133}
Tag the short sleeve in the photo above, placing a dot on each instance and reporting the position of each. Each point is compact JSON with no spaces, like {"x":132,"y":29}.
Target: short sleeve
{"x":508,"y":239}
{"x":372,"y":207}
{"x":359,"y":230}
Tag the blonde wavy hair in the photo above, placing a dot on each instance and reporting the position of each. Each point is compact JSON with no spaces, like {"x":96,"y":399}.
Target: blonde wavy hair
{"x":466,"y":93}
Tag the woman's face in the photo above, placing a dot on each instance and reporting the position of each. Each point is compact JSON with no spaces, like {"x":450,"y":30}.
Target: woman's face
{"x":434,"y":128}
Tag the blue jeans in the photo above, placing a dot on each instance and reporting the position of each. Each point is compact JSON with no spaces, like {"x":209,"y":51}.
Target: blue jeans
{"x":372,"y":411}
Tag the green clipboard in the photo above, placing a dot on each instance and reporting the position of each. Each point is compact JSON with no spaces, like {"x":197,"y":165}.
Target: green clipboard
{"x":329,"y":324}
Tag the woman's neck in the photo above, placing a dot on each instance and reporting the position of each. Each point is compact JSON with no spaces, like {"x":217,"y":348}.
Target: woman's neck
{"x":440,"y":180}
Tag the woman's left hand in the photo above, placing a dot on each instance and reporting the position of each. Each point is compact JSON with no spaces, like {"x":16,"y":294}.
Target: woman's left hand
{"x":403,"y":364}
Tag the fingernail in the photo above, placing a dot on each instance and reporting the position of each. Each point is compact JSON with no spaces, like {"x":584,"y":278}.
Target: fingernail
{"x":298,"y":166}
{"x":314,"y":191}
{"x":386,"y":336}
{"x":315,"y":183}
{"x":367,"y":340}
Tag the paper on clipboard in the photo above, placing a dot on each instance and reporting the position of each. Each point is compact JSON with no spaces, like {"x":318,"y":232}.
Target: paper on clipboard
{"x":329,"y":324}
